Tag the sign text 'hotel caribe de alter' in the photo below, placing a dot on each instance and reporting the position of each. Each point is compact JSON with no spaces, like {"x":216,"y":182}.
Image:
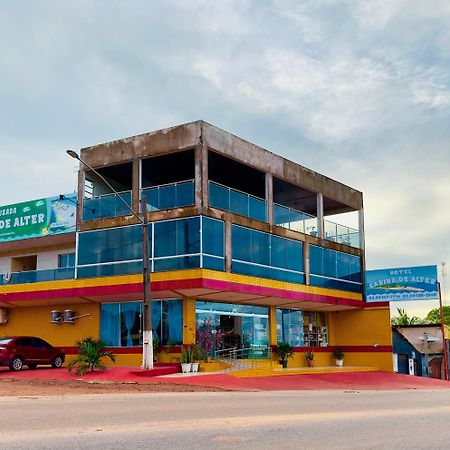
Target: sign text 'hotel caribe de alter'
{"x":402,"y":284}
{"x":37,"y":218}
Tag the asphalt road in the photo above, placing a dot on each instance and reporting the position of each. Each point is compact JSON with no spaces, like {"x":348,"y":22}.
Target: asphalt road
{"x":417,"y":419}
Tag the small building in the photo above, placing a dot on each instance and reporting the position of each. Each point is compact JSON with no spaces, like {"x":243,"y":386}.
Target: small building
{"x":418,"y":350}
{"x":238,"y":236}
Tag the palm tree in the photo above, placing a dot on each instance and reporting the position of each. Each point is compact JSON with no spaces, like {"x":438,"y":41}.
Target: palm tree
{"x":404,"y":319}
{"x":90,"y":356}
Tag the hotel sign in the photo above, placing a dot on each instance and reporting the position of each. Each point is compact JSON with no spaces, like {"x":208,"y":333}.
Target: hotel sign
{"x":37,"y":218}
{"x":402,"y":284}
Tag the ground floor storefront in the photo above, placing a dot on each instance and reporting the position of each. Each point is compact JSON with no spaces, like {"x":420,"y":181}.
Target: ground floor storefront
{"x":251,"y":313}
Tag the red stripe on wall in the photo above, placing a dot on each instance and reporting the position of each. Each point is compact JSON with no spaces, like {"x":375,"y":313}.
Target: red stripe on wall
{"x":344,"y":348}
{"x":122,"y":350}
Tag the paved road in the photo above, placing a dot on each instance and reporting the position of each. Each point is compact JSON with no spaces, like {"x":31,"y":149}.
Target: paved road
{"x":262,"y":420}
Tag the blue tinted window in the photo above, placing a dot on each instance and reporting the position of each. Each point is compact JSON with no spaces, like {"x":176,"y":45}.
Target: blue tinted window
{"x":121,"y":323}
{"x":167,"y":317}
{"x":66,"y":260}
{"x":333,"y":269}
{"x":106,"y":270}
{"x":116,"y":244}
{"x":109,"y":324}
{"x":242,"y":243}
{"x":262,"y":248}
{"x":177,"y":263}
{"x":213,"y":236}
{"x":213,"y":263}
{"x":177,"y":237}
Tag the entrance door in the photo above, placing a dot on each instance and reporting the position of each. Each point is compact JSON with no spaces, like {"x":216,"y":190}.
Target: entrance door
{"x":232,"y":329}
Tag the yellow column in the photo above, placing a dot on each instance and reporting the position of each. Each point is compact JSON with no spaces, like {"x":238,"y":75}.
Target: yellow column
{"x":189,"y":323}
{"x":272,"y":325}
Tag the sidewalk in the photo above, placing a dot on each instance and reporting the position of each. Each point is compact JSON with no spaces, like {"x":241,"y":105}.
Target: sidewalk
{"x":324,"y":381}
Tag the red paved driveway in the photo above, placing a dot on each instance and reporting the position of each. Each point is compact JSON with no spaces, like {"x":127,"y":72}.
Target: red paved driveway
{"x":346,"y":381}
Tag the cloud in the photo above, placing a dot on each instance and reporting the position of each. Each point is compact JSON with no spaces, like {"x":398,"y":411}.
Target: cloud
{"x":357,"y":90}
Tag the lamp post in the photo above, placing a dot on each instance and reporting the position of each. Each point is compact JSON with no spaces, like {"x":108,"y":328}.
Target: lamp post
{"x":147,"y":335}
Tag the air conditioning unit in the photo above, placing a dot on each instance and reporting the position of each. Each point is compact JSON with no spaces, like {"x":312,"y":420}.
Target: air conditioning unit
{"x":55,"y":317}
{"x":69,"y":316}
{"x":3,"y":315}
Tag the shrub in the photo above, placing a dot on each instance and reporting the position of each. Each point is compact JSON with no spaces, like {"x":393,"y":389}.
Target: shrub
{"x":90,"y":356}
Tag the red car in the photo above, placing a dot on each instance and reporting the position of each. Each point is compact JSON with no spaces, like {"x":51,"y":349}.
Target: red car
{"x":18,"y":351}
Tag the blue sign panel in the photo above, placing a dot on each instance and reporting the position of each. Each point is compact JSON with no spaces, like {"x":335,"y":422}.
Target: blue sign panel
{"x":408,"y":283}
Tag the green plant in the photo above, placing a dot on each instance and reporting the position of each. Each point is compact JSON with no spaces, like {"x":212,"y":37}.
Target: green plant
{"x":338,"y":353}
{"x":90,"y":356}
{"x":186,"y":355}
{"x":156,"y":348}
{"x":196,"y":353}
{"x":284,"y":351}
{"x":309,"y":356}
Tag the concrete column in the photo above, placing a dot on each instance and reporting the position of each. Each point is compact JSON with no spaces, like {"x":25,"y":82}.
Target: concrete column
{"x":201,"y":175}
{"x":362,"y":244}
{"x":189,"y":321}
{"x":198,"y":176}
{"x":269,"y":198}
{"x":228,"y":254}
{"x":80,"y":197}
{"x":320,"y":222}
{"x":272,"y":325}
{"x":136,"y":184}
{"x":306,"y":262}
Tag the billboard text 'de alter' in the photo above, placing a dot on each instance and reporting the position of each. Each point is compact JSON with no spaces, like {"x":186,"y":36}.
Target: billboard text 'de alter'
{"x":402,"y":284}
{"x":38,"y":218}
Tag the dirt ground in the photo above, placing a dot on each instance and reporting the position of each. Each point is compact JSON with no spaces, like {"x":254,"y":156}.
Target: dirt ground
{"x":11,"y":387}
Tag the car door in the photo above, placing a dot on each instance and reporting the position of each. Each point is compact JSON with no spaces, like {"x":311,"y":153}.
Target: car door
{"x":39,"y":350}
{"x":46,"y":351}
{"x":24,"y":348}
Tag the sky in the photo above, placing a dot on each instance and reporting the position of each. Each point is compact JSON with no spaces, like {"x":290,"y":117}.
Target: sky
{"x":356,"y":90}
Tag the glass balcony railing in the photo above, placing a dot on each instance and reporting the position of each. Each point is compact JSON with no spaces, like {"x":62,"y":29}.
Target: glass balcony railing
{"x":294,"y":220}
{"x":108,"y":205}
{"x":169,"y":196}
{"x":341,"y":234}
{"x":34,"y":276}
{"x":223,"y":197}
{"x":304,"y":223}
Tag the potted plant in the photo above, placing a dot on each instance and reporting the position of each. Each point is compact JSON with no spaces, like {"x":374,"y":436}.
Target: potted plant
{"x":186,"y":360}
{"x":309,"y":359}
{"x":196,"y":356}
{"x":339,"y":356}
{"x":284,"y":351}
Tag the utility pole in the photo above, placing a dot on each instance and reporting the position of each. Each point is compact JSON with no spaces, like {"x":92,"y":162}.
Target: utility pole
{"x":147,"y":335}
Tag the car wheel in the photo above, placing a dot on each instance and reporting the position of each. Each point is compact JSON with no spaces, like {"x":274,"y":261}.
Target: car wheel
{"x":57,"y":362}
{"x":32,"y":366}
{"x":16,"y":364}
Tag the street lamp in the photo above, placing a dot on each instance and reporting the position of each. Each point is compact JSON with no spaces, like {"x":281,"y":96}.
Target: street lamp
{"x":147,"y":335}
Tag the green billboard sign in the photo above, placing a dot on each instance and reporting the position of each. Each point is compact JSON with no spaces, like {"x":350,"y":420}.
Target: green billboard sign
{"x":37,"y":218}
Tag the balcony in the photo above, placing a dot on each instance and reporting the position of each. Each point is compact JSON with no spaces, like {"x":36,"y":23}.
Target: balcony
{"x":35,"y":276}
{"x":305,"y":223}
{"x":341,"y":234}
{"x":294,"y":220}
{"x":169,"y":196}
{"x":105,"y":206}
{"x":228,"y":199}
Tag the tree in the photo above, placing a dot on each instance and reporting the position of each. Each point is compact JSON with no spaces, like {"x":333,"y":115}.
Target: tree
{"x":90,"y":356}
{"x":434,"y":316}
{"x":404,"y":319}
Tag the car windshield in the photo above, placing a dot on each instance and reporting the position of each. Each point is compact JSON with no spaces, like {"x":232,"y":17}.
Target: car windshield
{"x":5,"y":341}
